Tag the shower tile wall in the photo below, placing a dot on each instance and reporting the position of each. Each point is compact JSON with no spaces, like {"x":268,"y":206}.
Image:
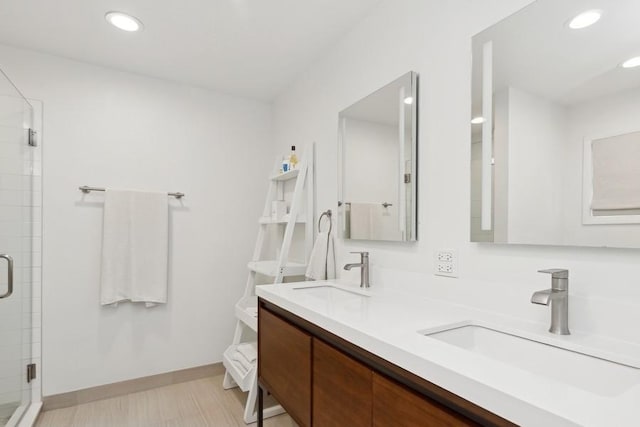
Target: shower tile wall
{"x":20,"y":237}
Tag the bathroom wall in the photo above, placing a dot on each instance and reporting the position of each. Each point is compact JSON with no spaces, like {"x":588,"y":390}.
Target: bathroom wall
{"x":373,"y":150}
{"x":434,"y":38}
{"x":108,"y":128}
{"x":537,"y":136}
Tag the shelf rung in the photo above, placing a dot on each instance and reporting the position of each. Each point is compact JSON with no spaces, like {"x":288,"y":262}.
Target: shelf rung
{"x":286,"y":175}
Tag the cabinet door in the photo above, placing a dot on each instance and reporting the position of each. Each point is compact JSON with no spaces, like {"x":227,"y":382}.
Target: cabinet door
{"x":284,"y":365}
{"x":341,"y":389}
{"x":394,"y":405}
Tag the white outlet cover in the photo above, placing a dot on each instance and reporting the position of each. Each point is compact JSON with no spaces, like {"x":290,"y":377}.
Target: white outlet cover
{"x":446,"y":263}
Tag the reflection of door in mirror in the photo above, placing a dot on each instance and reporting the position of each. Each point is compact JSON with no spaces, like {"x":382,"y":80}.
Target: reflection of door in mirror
{"x":377,"y":164}
{"x":543,"y":96}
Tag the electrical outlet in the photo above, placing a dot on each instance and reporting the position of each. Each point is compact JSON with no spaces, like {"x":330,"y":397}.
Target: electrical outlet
{"x":446,"y":263}
{"x":444,"y":267}
{"x":445,"y":256}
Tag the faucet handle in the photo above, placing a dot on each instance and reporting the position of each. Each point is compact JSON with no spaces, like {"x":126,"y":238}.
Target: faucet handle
{"x":361,"y":253}
{"x":556,"y":273}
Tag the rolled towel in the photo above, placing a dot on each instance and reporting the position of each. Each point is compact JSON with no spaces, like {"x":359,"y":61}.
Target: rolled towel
{"x":249,"y":350}
{"x":236,"y":356}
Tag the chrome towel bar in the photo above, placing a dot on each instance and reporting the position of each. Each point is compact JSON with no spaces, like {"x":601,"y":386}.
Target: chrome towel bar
{"x":86,"y":189}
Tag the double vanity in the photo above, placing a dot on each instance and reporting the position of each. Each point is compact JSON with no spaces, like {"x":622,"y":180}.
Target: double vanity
{"x":336,"y":354}
{"x":554,"y":119}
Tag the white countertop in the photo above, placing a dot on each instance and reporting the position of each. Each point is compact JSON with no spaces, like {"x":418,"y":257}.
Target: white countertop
{"x":387,"y":323}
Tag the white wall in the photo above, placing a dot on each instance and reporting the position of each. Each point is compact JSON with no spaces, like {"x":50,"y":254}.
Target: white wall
{"x":372,"y":151}
{"x":108,"y":128}
{"x":433,"y":37}
{"x":537,"y":167}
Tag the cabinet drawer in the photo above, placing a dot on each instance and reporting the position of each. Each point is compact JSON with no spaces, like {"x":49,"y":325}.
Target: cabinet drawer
{"x":394,"y":405}
{"x":341,"y":389}
{"x":284,"y":364}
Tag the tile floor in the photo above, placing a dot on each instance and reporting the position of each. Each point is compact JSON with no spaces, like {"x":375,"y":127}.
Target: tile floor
{"x":196,"y":403}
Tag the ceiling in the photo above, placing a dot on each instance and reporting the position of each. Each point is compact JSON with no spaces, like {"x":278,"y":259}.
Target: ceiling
{"x":250,"y":48}
{"x":382,"y":106}
{"x":535,"y":51}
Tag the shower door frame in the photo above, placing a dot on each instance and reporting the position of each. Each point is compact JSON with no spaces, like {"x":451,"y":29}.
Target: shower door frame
{"x":21,"y":183}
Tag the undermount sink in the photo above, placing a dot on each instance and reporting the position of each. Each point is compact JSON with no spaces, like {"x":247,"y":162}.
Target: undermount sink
{"x":593,"y":374}
{"x":328,"y":292}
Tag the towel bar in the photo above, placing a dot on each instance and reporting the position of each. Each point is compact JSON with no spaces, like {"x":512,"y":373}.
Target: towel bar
{"x":328,"y":215}
{"x":86,"y":189}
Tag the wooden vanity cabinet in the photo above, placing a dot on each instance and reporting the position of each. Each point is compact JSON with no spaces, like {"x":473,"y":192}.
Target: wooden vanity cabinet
{"x":341,"y":389}
{"x":395,"y":405}
{"x":284,"y":365}
{"x":323,"y":380}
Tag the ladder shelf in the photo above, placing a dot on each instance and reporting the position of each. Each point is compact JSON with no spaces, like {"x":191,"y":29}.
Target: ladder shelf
{"x":302,"y":212}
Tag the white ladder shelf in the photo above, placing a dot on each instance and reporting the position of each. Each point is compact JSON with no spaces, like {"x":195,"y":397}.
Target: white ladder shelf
{"x":246,"y":309}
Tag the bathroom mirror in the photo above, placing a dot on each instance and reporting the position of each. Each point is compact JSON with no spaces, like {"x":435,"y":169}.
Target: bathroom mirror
{"x":555,"y":147}
{"x":377,"y":164}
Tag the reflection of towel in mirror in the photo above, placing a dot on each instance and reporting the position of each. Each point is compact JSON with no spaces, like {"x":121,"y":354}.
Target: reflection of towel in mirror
{"x":322,"y":263}
{"x":361,"y":219}
{"x":616,"y":172}
{"x":374,"y":221}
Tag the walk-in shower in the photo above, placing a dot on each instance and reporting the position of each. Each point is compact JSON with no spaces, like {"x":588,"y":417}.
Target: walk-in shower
{"x":20,"y":253}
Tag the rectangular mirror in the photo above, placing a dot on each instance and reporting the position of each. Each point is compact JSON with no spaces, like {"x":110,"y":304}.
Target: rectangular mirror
{"x":377,"y":164}
{"x":555,"y":147}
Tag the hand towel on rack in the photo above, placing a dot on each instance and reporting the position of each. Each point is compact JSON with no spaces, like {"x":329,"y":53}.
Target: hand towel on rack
{"x":322,"y":262}
{"x":134,"y":247}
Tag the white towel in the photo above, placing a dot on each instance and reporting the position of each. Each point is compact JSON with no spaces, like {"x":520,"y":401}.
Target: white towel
{"x":322,"y":262}
{"x":134,"y":247}
{"x":249,"y":350}
{"x":234,"y":359}
{"x":372,"y":221}
{"x":361,"y":220}
{"x":237,"y":357}
{"x":616,"y":172}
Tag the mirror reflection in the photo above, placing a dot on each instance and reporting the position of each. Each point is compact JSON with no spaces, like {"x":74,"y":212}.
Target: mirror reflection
{"x":377,"y":164}
{"x":555,"y":154}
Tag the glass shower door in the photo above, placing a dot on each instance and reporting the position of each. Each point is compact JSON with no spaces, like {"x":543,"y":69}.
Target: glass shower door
{"x":16,"y":251}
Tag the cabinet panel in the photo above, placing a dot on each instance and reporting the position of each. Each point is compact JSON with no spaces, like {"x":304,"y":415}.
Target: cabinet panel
{"x":341,"y":389}
{"x":394,"y":405}
{"x":284,"y":365}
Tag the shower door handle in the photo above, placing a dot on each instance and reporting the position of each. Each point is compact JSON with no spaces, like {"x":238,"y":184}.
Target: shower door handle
{"x":9,"y":276}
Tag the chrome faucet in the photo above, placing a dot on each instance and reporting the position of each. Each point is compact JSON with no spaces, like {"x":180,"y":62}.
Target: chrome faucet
{"x":558,"y":297}
{"x":364,"y":268}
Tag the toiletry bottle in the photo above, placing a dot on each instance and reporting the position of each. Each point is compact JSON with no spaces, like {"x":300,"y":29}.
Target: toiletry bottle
{"x":293,"y":159}
{"x":285,"y":165}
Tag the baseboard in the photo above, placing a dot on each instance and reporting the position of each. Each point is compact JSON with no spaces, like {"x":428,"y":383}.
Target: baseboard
{"x":65,"y":400}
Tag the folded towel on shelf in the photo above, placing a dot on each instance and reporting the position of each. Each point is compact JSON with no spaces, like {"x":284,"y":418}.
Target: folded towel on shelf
{"x":322,"y":262}
{"x":134,"y":247}
{"x":242,"y":361}
{"x":239,"y":366}
{"x":248,"y":350}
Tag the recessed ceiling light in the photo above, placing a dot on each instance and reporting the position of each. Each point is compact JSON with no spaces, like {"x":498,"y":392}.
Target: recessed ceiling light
{"x":477,"y":120}
{"x":123,"y":21}
{"x":585,"y":19}
{"x":408,"y":100}
{"x":631,"y":63}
